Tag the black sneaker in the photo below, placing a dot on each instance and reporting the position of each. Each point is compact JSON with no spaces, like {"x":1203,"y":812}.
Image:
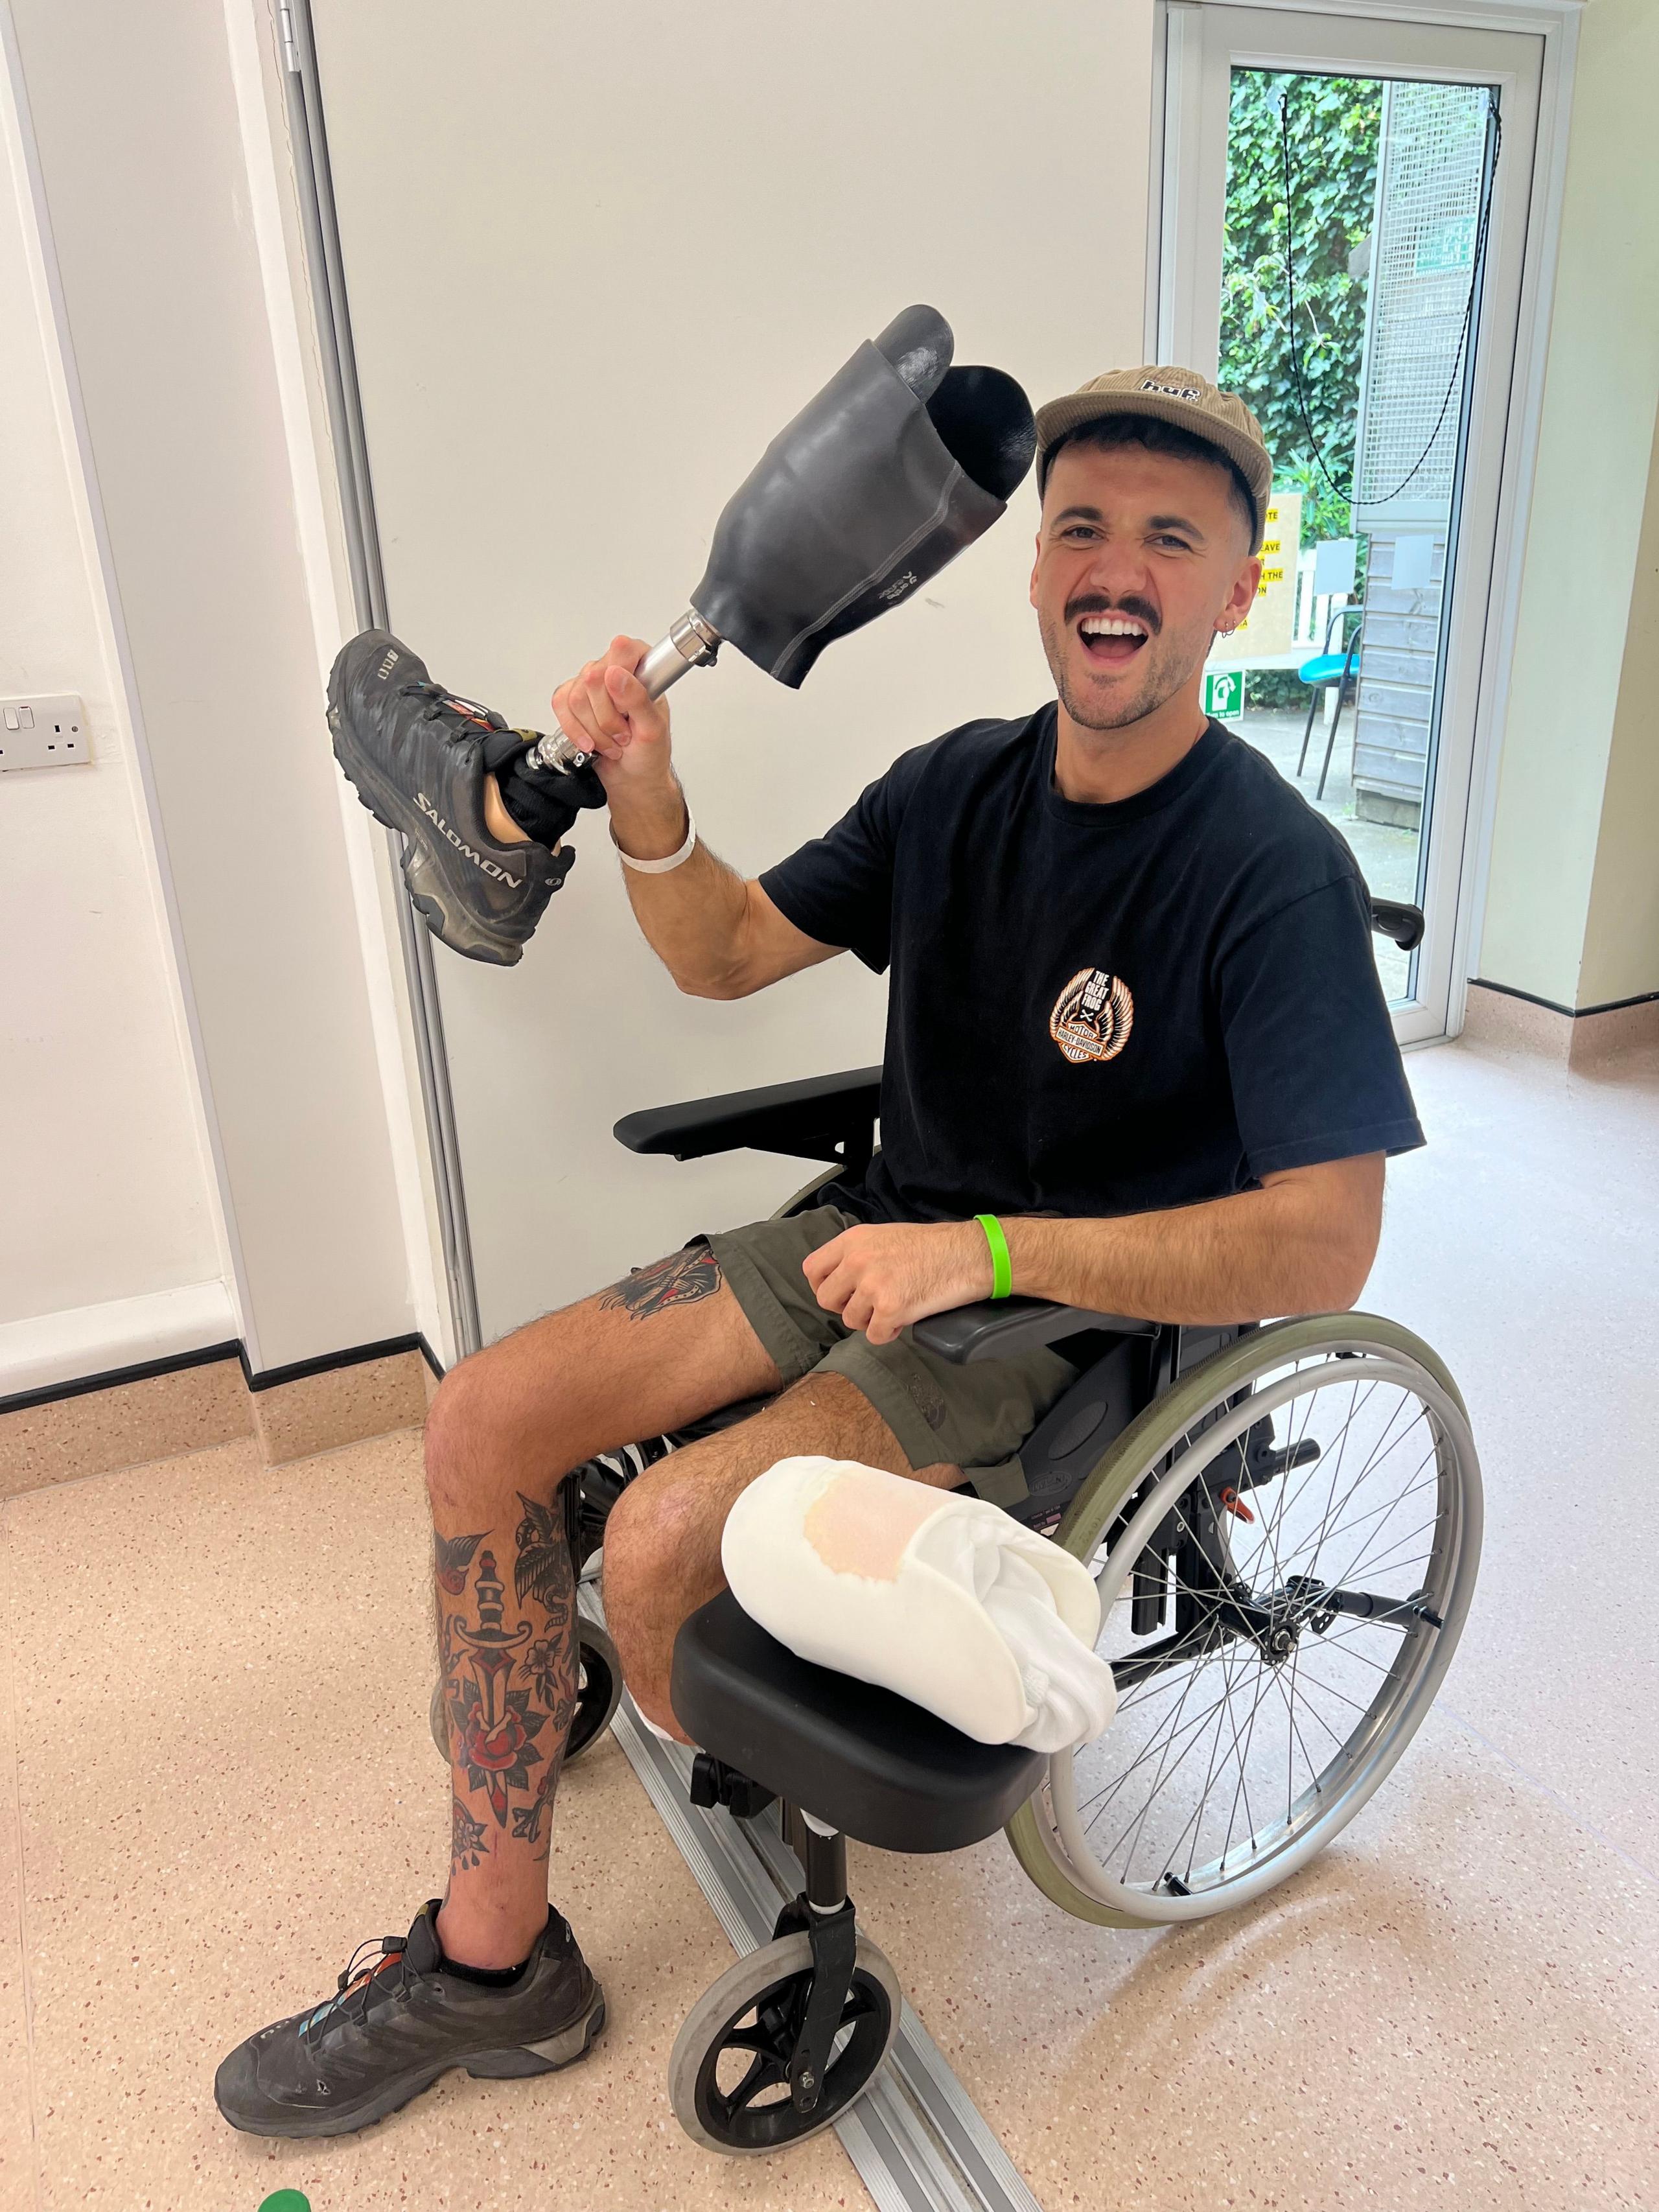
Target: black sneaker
{"x":398,"y":2023}
{"x":417,"y":757}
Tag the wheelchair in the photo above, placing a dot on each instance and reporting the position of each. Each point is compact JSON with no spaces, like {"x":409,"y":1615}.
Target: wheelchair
{"x":1284,"y":1523}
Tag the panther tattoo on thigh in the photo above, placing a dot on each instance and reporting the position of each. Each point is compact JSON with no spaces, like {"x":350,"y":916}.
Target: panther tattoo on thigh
{"x":679,"y":1280}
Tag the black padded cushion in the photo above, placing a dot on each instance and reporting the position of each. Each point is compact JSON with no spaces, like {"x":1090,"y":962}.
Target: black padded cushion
{"x":881,"y":1769}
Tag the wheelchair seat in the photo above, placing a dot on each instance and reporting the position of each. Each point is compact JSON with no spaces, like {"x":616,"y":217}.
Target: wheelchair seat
{"x":870,"y":1763}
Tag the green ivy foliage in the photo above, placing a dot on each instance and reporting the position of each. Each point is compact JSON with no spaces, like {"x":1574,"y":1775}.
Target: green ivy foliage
{"x":1335,"y":127}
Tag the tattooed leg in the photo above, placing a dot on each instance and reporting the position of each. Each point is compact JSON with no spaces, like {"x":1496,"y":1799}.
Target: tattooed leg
{"x":506,"y":1626}
{"x":544,"y":1573}
{"x":679,"y":1280}
{"x":504,"y":1430}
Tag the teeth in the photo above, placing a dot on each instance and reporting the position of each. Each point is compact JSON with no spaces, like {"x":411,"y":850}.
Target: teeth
{"x":1112,"y":626}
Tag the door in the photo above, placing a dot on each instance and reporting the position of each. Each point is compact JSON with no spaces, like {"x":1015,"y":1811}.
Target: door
{"x":1343,"y":241}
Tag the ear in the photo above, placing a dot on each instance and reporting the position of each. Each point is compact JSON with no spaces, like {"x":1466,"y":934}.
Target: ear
{"x":1037,"y":563}
{"x":1242,"y":598}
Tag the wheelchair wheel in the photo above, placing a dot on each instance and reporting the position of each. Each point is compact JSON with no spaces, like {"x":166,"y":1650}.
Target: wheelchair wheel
{"x":728,"y":2076}
{"x":1286,"y":1543}
{"x":600,"y":1687}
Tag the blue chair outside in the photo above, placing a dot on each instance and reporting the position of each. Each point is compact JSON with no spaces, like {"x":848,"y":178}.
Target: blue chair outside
{"x":1328,"y":667}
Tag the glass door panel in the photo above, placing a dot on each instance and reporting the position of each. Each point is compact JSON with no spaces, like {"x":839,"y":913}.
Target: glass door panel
{"x":1369,"y":205}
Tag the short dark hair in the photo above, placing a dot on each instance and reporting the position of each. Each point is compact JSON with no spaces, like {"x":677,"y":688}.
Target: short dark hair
{"x":1157,"y":436}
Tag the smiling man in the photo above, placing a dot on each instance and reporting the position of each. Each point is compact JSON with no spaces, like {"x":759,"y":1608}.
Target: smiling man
{"x":1132,"y":1014}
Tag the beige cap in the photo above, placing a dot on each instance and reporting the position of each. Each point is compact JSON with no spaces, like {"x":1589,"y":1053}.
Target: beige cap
{"x":1180,"y":395}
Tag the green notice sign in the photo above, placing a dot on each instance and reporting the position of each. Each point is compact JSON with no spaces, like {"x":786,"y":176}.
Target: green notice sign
{"x":1443,"y":245}
{"x":1224,"y":693}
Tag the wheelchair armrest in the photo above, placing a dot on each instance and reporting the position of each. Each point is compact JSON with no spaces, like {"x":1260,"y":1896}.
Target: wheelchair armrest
{"x":997,"y":1329}
{"x":826,"y":1117}
{"x":1392,"y":918}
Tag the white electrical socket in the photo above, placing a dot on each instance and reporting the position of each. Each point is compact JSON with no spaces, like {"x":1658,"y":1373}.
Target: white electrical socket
{"x":47,"y":732}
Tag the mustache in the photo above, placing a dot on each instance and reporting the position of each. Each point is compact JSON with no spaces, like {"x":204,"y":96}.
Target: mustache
{"x":1097,"y":603}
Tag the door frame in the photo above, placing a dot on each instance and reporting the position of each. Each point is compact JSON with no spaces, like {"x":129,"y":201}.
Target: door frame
{"x":1187,"y":185}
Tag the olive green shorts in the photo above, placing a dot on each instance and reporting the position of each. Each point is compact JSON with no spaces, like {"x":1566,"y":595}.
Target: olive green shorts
{"x":975,"y":1417}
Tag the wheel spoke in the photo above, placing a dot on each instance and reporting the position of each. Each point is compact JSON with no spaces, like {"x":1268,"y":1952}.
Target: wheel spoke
{"x":1359,"y":1520}
{"x":1364,"y":1558}
{"x":1376,"y":1665}
{"x":1216,"y":1765}
{"x":1157,"y":1779}
{"x":764,"y":2074}
{"x":1221,"y":1708}
{"x":1151,"y":1752}
{"x":1241,"y":1788}
{"x":1376,"y":1452}
{"x":1195,"y":1819}
{"x":1323,"y":1464}
{"x":1331,"y":1690}
{"x":1293,"y":1740}
{"x":751,"y":2038}
{"x":1385,"y":1563}
{"x":1193,"y":1735}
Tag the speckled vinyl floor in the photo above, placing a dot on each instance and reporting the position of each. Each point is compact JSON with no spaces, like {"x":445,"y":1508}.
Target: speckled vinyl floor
{"x":217,"y":1780}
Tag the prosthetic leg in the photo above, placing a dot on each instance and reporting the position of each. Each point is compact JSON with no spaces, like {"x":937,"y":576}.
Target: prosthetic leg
{"x":896,"y":466}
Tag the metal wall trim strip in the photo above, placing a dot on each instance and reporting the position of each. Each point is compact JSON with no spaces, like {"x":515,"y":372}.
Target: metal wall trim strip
{"x":332,"y":314}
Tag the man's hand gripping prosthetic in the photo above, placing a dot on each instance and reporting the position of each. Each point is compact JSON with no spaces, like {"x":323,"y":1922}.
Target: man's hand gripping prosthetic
{"x":899,"y":463}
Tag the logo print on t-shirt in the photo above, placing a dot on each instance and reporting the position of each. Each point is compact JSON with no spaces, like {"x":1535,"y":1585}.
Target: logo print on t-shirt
{"x":1092,"y":1016}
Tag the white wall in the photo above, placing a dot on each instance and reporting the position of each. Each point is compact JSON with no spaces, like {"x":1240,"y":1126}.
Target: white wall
{"x":1584,"y":604}
{"x":146,"y":182}
{"x":577,"y":325}
{"x":1621,"y":932}
{"x":106,"y":1189}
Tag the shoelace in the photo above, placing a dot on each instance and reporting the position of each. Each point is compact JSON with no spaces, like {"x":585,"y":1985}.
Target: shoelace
{"x":358,"y":1977}
{"x":483,"y":718}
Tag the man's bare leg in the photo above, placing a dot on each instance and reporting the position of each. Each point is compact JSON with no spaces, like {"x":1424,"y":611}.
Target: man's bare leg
{"x":662,"y":1541}
{"x":665,"y":1346}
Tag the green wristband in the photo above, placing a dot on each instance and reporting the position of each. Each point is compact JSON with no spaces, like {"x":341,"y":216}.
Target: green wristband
{"x":1002,"y":1267}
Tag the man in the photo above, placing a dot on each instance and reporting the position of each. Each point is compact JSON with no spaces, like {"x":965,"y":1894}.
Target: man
{"x":1133,"y":1012}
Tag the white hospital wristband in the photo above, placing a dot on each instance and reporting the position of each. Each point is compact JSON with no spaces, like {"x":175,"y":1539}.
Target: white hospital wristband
{"x":659,"y":867}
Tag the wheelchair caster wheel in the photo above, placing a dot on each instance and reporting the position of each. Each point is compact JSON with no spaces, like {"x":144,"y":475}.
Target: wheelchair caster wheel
{"x":599,"y":1690}
{"x":728,"y":2078}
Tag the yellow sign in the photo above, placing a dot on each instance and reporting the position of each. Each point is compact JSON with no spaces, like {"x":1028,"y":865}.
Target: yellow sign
{"x":1267,"y":629}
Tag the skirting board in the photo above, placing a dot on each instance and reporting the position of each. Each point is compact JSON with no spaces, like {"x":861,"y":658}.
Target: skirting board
{"x":162,"y":1327}
{"x":1588,"y":1037}
{"x":188,"y":1397}
{"x":132,"y":1340}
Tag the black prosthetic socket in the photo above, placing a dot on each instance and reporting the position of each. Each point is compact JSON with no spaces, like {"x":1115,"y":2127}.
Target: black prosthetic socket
{"x":895,"y":466}
{"x":542,"y":801}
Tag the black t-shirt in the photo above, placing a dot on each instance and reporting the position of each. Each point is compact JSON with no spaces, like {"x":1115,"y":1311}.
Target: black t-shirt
{"x":1102,"y":1009}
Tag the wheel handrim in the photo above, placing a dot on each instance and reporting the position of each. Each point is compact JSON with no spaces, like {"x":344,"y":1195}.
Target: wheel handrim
{"x":1116,"y":1838}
